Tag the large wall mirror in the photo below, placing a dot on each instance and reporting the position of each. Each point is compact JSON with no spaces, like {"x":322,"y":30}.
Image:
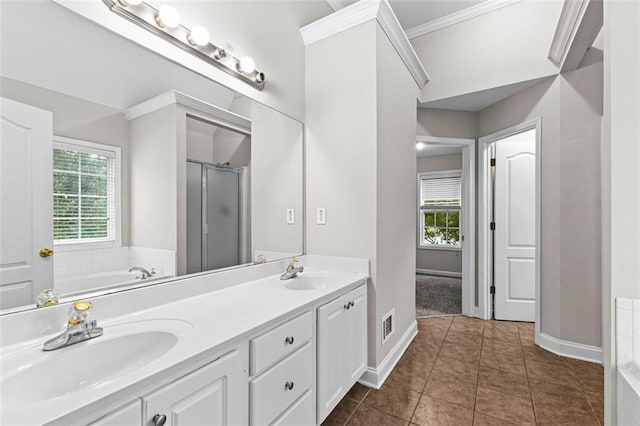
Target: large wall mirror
{"x":150,"y":171}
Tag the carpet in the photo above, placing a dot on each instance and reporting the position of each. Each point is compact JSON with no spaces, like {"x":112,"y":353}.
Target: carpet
{"x":438,"y":296}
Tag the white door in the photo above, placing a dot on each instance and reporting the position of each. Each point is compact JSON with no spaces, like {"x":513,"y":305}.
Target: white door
{"x":515,"y":227}
{"x":25,"y":203}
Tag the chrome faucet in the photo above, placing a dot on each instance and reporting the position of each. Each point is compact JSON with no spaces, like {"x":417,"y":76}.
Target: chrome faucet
{"x":78,"y":328}
{"x":144,"y":274}
{"x":291,"y":271}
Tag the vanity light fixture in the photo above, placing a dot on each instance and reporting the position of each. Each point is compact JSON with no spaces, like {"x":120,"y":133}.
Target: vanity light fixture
{"x":165,"y":23}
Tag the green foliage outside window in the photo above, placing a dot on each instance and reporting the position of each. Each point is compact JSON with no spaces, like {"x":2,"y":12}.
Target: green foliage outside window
{"x":442,"y":227}
{"x":80,"y":191}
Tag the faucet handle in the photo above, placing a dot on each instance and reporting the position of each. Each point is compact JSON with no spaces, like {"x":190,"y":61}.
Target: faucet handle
{"x":79,"y":312}
{"x":292,"y":264}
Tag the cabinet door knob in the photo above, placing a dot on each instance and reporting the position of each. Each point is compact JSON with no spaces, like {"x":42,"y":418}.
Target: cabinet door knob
{"x":288,"y":385}
{"x":289,"y":340}
{"x":351,"y":303}
{"x":159,"y":420}
{"x":346,"y":306}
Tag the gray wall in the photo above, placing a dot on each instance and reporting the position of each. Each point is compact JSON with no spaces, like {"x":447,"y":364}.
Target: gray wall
{"x":446,"y":123}
{"x":360,"y":150}
{"x":570,"y":106}
{"x":79,"y":119}
{"x":430,"y":258}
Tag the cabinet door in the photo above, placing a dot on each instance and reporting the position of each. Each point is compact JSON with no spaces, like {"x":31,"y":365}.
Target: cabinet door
{"x":331,"y":355}
{"x":356,"y":335}
{"x":211,"y":395}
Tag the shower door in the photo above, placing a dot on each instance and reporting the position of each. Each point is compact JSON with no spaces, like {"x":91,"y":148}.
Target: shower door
{"x":215,"y":239}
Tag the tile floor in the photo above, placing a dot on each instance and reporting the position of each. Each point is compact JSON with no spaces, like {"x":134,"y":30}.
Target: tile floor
{"x":464,"y":371}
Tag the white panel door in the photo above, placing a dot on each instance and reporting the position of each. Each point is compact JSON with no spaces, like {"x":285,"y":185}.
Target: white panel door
{"x":515,"y":232}
{"x":26,"y":203}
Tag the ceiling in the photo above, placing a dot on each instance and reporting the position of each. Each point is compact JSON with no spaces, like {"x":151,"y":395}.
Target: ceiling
{"x":413,"y":13}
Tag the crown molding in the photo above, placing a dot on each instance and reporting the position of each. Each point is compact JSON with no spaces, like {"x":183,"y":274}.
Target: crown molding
{"x":460,"y":16}
{"x":574,"y":14}
{"x":173,"y":97}
{"x":364,"y":11}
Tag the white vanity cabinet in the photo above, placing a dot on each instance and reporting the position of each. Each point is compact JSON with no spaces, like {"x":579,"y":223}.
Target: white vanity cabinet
{"x":282,"y":366}
{"x":342,"y":348}
{"x":211,"y":395}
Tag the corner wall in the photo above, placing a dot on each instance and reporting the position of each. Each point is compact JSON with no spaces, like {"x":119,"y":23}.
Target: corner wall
{"x":570,"y":106}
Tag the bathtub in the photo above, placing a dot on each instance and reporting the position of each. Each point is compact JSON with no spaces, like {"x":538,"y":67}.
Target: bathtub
{"x":628,"y":361}
{"x":100,"y":283}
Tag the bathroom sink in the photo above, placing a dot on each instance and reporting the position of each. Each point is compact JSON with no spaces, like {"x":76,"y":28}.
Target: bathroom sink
{"x":31,"y":374}
{"x":310,"y":281}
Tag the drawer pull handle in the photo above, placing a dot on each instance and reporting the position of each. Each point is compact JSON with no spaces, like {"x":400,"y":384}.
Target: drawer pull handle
{"x":159,"y":420}
{"x":346,"y":306}
{"x":288,"y":385}
{"x":351,"y":303}
{"x":289,"y":340}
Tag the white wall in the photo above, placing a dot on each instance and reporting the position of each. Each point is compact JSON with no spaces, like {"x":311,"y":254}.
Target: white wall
{"x":491,"y":50}
{"x":570,"y":106}
{"x":620,"y":176}
{"x":396,"y":93}
{"x":433,"y":259}
{"x":79,"y":119}
{"x":360,"y":150}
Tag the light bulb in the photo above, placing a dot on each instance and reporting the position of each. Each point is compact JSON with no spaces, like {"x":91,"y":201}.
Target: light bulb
{"x":247,"y":65}
{"x":199,"y":36}
{"x":420,"y":145}
{"x":168,"y":17}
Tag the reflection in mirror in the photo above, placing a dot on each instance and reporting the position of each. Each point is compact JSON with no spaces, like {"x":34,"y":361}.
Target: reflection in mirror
{"x":134,"y":169}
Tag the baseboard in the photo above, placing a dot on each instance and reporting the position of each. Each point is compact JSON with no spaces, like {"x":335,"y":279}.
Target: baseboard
{"x":439,"y":273}
{"x":570,"y":349}
{"x":375,"y":377}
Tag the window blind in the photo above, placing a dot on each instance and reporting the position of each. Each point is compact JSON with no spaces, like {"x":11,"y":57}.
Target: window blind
{"x":83,"y":194}
{"x":440,"y":191}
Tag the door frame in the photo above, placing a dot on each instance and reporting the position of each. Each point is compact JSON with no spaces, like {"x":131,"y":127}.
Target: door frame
{"x":468,"y":146}
{"x":485,"y":200}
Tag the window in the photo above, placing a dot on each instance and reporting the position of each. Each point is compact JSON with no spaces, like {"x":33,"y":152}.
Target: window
{"x":85,"y":192}
{"x":439,"y":211}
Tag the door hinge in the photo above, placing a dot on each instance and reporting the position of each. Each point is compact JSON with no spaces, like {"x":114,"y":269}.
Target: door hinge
{"x":492,"y":162}
{"x":492,"y":226}
{"x":492,"y":289}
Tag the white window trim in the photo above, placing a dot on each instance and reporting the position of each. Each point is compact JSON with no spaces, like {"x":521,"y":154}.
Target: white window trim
{"x":61,"y":142}
{"x":438,"y":174}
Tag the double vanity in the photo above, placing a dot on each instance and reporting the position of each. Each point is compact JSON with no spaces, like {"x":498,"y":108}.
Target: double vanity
{"x":237,"y":347}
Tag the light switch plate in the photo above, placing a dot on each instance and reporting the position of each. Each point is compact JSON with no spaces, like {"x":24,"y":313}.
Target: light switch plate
{"x":291,"y":216}
{"x":321,"y":216}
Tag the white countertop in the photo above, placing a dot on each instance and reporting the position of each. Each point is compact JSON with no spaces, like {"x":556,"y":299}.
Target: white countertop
{"x":215,"y":319}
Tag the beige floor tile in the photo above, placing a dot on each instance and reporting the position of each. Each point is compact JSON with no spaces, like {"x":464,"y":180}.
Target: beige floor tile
{"x":395,"y":401}
{"x":369,"y":416}
{"x":551,"y":372}
{"x":596,"y":400}
{"x":436,"y":412}
{"x":548,"y":415}
{"x":463,"y":353}
{"x":464,"y":338}
{"x":341,"y":413}
{"x":560,"y":396}
{"x":504,"y":406}
{"x":480,"y":419}
{"x":503,"y":381}
{"x":509,"y":361}
{"x":357,"y":392}
{"x":450,"y":389}
{"x":460,"y":370}
{"x":405,"y":376}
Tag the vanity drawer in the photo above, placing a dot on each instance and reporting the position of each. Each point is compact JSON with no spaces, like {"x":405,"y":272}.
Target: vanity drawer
{"x":279,"y":342}
{"x":281,"y":385}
